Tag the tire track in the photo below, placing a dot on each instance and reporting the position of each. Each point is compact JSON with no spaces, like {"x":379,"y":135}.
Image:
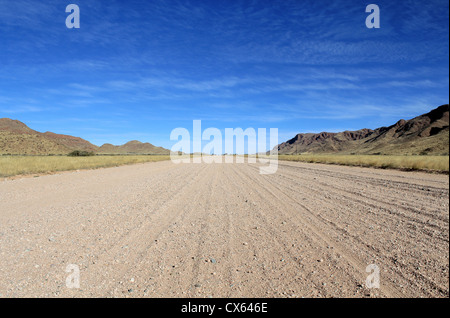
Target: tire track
{"x":418,"y":279}
{"x":136,"y":247}
{"x":404,"y":205}
{"x":407,"y":272}
{"x":321,"y":238}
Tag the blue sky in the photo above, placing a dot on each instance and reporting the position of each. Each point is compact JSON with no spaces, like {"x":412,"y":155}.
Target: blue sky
{"x":138,"y":69}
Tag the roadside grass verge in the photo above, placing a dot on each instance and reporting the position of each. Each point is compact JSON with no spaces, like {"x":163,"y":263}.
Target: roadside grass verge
{"x":420,"y":163}
{"x":26,"y":165}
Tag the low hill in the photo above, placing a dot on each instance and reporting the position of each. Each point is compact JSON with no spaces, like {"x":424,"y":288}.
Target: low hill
{"x":16,"y":138}
{"x":133,"y":147}
{"x":425,"y":134}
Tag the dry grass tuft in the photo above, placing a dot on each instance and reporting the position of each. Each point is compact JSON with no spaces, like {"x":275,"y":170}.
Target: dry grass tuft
{"x":423,"y":163}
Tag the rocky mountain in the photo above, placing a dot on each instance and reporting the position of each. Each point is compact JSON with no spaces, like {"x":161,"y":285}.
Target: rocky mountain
{"x":425,"y":134}
{"x":17,"y":138}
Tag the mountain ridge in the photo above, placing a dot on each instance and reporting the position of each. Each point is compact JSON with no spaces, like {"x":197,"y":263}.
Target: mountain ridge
{"x":424,"y":134}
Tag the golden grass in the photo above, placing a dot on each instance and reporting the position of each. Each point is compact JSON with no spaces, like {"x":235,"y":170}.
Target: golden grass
{"x":26,"y":165}
{"x":425,"y":163}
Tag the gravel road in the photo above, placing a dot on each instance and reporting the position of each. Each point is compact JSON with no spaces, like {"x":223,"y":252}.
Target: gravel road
{"x":223,"y":230}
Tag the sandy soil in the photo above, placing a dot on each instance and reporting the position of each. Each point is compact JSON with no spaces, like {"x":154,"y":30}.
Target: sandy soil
{"x":224,"y":230}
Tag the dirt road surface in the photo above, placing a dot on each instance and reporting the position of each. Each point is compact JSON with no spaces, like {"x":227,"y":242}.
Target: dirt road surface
{"x":224,"y":230}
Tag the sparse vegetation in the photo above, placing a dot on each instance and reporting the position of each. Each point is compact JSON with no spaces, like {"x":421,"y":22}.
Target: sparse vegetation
{"x":81,"y":153}
{"x":425,"y":163}
{"x":26,"y":165}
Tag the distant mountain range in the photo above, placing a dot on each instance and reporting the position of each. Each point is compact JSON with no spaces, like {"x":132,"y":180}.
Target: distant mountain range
{"x":425,"y":134}
{"x":17,"y":138}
